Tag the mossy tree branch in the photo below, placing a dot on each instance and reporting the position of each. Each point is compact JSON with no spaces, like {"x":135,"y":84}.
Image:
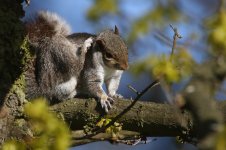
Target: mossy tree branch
{"x":146,"y":118}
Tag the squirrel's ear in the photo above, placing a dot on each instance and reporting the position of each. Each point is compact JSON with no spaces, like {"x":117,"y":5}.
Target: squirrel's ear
{"x":116,"y":30}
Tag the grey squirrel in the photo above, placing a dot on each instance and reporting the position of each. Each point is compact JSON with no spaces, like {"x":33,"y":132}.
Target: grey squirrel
{"x":68,"y":65}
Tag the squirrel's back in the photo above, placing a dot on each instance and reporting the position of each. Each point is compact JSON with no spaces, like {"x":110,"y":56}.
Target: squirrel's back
{"x":80,"y":38}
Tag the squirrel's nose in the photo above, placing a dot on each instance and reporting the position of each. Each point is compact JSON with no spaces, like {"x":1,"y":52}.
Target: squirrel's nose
{"x":124,"y":66}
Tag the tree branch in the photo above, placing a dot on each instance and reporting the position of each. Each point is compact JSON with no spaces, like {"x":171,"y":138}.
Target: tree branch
{"x":175,"y":36}
{"x":148,"y":118}
{"x":122,"y":135}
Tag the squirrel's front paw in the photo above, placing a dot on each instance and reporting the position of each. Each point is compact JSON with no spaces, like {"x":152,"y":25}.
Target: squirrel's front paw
{"x":116,"y":96}
{"x":105,"y":102}
{"x":87,"y":44}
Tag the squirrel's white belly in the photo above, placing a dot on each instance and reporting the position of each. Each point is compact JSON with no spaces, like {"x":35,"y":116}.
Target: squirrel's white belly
{"x":108,"y":72}
{"x":67,"y":89}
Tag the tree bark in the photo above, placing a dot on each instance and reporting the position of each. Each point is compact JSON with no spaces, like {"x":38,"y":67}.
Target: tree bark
{"x":146,"y":118}
{"x":11,"y":58}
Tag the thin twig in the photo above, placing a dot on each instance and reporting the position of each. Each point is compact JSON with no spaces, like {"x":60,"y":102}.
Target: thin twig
{"x":175,"y":36}
{"x":133,"y":89}
{"x":221,"y":5}
{"x":154,"y":83}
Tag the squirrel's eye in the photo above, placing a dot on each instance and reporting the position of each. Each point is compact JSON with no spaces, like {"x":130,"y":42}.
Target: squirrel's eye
{"x":108,"y":55}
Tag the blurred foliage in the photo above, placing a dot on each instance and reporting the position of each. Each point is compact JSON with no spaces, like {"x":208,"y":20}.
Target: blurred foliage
{"x":101,"y":7}
{"x":217,"y":40}
{"x":221,"y":142}
{"x":157,"y":17}
{"x":113,"y":130}
{"x":162,"y":67}
{"x":160,"y":15}
{"x":49,"y":133}
{"x":217,"y":36}
{"x":13,"y":145}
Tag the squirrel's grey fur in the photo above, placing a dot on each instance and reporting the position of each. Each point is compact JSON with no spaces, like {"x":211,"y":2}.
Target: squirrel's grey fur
{"x":77,"y":64}
{"x":57,"y":58}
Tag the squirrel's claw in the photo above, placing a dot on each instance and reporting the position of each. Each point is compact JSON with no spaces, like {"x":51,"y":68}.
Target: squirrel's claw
{"x":105,"y":102}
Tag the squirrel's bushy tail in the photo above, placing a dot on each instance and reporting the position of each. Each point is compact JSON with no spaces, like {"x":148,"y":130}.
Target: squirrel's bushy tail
{"x":47,"y":34}
{"x":46,"y":24}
